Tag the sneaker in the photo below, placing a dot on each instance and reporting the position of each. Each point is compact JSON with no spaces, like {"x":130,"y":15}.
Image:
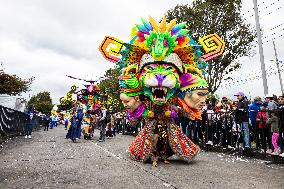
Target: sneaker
{"x":100,"y":140}
{"x":209,"y":142}
{"x":269,"y":151}
{"x":30,"y":136}
{"x":26,"y":136}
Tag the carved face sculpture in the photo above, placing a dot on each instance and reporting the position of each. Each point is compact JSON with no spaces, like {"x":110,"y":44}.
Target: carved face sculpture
{"x":130,"y":103}
{"x":159,"y":81}
{"x":196,"y":99}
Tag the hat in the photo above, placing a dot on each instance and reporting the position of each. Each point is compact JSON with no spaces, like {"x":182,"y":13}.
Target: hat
{"x":190,"y":82}
{"x":240,"y":94}
{"x":265,"y":104}
{"x":257,"y":98}
{"x":269,"y":96}
{"x":224,"y":98}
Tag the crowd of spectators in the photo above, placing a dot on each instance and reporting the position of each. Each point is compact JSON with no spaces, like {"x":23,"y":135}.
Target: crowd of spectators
{"x":243,"y":124}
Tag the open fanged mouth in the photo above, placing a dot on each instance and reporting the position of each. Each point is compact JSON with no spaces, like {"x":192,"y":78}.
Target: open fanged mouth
{"x":159,"y":93}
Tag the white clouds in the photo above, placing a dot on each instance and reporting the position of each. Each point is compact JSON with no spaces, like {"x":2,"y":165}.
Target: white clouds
{"x":49,"y":39}
{"x":271,"y":15}
{"x":52,"y":39}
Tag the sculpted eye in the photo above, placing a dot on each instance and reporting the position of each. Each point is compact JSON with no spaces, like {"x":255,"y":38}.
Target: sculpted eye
{"x":150,"y":68}
{"x":202,"y":93}
{"x":169,"y":68}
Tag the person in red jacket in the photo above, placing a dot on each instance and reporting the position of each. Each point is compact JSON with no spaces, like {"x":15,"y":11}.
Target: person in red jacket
{"x":264,"y":131}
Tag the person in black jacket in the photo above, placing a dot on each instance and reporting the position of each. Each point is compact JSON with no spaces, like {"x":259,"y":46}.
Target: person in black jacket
{"x":242,"y":118}
{"x":29,"y":122}
{"x":45,"y":120}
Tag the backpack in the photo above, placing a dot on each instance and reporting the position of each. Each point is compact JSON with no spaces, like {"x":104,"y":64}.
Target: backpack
{"x":108,"y":117}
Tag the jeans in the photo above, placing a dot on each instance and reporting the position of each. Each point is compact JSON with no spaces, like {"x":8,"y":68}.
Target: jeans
{"x":28,"y":129}
{"x":119,"y":125}
{"x":245,"y":129}
{"x":102,"y":130}
{"x":275,"y":137}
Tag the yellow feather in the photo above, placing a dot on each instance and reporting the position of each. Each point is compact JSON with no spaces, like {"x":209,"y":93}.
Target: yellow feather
{"x":171,"y":24}
{"x":154,"y":24}
{"x":163,"y":25}
{"x":143,"y":46}
{"x":133,"y":32}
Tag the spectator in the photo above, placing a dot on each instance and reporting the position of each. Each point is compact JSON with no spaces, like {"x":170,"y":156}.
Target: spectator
{"x":242,"y":117}
{"x":45,"y":122}
{"x":110,"y":127}
{"x":281,"y":102}
{"x":275,"y":131}
{"x":29,"y":125}
{"x":103,"y":124}
{"x":272,"y":104}
{"x":119,"y":122}
{"x":253,"y":110}
{"x":281,"y":119}
{"x":262,"y":116}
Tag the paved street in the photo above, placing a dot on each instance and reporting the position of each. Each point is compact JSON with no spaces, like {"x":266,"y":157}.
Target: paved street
{"x":48,"y":160}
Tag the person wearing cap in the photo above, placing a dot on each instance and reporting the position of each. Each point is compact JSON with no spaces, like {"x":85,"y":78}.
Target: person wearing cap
{"x":262,"y":117}
{"x":272,"y":104}
{"x":253,"y":110}
{"x":242,"y":117}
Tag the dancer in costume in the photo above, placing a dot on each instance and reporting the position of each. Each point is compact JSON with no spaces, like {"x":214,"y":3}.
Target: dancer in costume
{"x":161,"y":78}
{"x":74,"y":131}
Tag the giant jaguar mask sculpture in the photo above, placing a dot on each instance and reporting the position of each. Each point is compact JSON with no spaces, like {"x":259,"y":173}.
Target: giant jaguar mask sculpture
{"x":162,"y":72}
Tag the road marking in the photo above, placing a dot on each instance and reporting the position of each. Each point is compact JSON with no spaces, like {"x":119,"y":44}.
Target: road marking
{"x":107,"y":151}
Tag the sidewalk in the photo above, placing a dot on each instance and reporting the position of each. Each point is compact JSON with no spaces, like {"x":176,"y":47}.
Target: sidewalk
{"x":48,"y":160}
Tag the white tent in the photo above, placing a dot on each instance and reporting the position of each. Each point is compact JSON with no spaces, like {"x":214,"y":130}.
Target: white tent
{"x":13,"y":102}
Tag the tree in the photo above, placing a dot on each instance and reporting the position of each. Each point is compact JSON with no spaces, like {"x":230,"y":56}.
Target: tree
{"x":13,"y":85}
{"x":224,"y":18}
{"x":109,"y":88}
{"x":41,"y":102}
{"x":66,"y":102}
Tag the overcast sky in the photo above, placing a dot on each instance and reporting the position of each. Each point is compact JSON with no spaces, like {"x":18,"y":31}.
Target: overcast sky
{"x":50,"y":39}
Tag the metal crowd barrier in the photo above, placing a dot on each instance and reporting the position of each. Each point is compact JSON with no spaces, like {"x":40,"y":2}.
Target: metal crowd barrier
{"x":221,"y":129}
{"x":12,"y":122}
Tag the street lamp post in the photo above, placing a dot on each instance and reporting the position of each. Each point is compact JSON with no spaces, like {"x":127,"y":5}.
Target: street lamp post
{"x":277,"y":64}
{"x":265,"y":86}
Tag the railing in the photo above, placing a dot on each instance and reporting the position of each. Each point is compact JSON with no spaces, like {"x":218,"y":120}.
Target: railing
{"x":12,"y":122}
{"x":219,"y":130}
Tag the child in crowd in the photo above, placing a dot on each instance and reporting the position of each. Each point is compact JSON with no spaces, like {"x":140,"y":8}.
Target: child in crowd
{"x":110,"y":127}
{"x":261,"y":118}
{"x":273,"y":121}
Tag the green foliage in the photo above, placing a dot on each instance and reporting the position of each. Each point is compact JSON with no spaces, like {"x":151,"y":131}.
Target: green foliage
{"x":13,"y":85}
{"x":109,"y":88}
{"x":66,"y":103}
{"x":224,"y":18}
{"x":212,"y":98}
{"x":41,"y":102}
